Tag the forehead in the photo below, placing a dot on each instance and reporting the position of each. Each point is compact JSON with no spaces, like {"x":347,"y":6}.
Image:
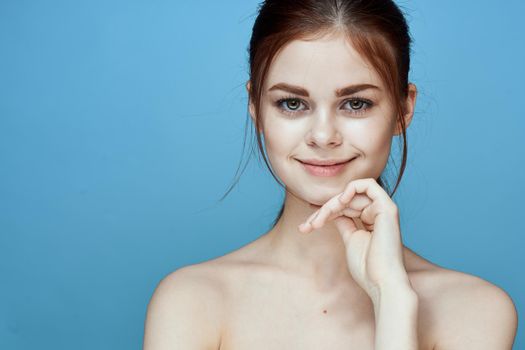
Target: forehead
{"x":322,"y":64}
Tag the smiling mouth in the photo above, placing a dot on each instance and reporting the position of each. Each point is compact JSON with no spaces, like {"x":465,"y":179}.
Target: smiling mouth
{"x":325,"y":170}
{"x":325,"y":165}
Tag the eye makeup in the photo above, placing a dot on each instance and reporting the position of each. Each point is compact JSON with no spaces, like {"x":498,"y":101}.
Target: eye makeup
{"x":358,"y":105}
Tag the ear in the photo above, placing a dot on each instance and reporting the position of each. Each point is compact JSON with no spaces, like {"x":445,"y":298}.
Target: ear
{"x":410,"y":107}
{"x":251,"y":106}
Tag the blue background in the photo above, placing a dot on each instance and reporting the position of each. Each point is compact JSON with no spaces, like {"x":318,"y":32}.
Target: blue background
{"x":122,"y":123}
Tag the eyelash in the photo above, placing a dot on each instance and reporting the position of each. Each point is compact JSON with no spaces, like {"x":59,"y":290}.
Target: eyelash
{"x":366,"y":102}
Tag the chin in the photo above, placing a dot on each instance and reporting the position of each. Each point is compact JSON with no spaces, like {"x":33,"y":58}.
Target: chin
{"x":320,"y":200}
{"x":315,"y":205}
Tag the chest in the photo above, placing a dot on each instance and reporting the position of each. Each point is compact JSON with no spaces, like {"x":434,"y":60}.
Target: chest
{"x":288,"y":317}
{"x":314,"y":326}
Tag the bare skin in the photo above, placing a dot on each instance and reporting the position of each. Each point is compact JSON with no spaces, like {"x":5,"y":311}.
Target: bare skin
{"x":272,"y":306}
{"x":253,"y":303}
{"x":295,"y":290}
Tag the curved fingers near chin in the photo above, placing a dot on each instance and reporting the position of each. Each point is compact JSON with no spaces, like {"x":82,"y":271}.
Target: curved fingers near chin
{"x":368,"y":187}
{"x":351,"y":213}
{"x":335,"y":208}
{"x":359,"y":202}
{"x":369,"y":214}
{"x":331,"y":209}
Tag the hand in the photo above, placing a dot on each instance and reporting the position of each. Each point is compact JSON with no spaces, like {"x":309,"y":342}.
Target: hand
{"x":368,"y":221}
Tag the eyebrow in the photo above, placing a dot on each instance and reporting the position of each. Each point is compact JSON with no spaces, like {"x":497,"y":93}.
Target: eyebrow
{"x":347,"y":90}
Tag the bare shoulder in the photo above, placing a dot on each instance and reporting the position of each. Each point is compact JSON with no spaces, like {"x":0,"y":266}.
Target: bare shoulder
{"x":185,"y":310}
{"x":467,"y":311}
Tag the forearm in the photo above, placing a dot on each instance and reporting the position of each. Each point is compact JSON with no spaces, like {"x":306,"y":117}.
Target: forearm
{"x":396,"y":309}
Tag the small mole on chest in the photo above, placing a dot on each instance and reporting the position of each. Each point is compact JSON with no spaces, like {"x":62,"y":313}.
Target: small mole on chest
{"x":324,"y":311}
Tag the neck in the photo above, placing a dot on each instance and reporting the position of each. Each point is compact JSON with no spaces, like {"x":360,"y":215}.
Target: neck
{"x":319,"y":255}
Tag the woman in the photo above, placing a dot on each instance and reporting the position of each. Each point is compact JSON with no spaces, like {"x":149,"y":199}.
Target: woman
{"x":328,"y":90}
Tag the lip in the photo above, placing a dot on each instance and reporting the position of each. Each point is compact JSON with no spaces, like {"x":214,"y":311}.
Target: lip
{"x":324,"y":162}
{"x":332,"y":169}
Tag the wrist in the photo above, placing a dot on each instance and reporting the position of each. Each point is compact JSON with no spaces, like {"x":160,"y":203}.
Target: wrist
{"x":396,"y":290}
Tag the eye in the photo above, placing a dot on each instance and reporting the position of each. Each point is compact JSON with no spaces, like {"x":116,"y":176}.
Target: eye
{"x":294,"y":104}
{"x":358,"y":105}
{"x":289,"y":105}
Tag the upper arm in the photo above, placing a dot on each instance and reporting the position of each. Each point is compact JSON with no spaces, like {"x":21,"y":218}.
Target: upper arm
{"x":479,"y":316}
{"x":183,"y":313}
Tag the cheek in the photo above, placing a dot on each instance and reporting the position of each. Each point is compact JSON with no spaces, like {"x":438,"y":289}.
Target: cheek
{"x":367,"y":134}
{"x":373,"y":139}
{"x":379,"y":140}
{"x":280,"y":139}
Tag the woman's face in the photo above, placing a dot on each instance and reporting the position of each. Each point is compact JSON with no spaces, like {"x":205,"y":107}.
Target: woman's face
{"x":322,"y":101}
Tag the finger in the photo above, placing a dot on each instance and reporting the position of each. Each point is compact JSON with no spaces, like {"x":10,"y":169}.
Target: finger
{"x":345,"y":227}
{"x":356,"y":241}
{"x":362,"y":225}
{"x":351,"y":213}
{"x":368,"y":215}
{"x":312,"y":216}
{"x":357,"y":195}
{"x":336,"y":207}
{"x":381,"y":201}
{"x":307,"y":225}
{"x":355,"y":208}
{"x":358,"y":202}
{"x":369,"y":187}
{"x":330,"y":209}
{"x":372,"y":213}
{"x":356,"y":215}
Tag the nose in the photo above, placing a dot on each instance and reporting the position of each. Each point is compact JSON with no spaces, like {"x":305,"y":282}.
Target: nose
{"x":324,"y":132}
